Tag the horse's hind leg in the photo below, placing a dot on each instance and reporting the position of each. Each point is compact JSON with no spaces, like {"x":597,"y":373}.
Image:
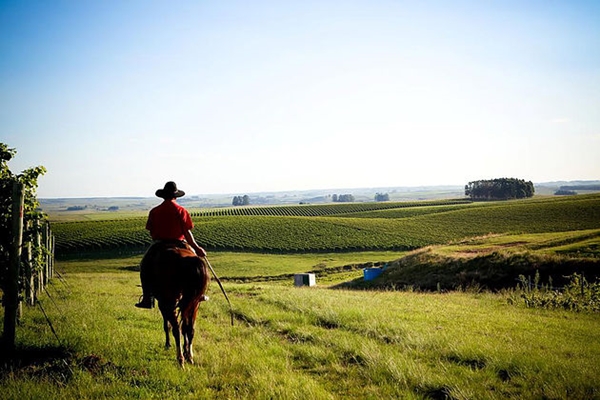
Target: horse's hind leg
{"x":189,"y":328}
{"x":170,"y":321}
{"x":166,"y":314}
{"x":166,"y":327}
{"x":177,"y":335}
{"x":188,"y":338}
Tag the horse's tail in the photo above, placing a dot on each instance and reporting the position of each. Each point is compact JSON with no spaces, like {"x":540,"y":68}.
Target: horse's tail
{"x":197,"y":279}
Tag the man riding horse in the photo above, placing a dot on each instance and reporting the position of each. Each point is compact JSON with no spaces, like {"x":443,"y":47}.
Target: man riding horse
{"x":170,"y":226}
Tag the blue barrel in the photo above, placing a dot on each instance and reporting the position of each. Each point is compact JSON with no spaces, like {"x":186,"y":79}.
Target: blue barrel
{"x":372,"y":273}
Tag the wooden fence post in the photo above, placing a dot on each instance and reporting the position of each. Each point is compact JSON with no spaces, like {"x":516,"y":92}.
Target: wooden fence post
{"x":11,"y":296}
{"x":29,"y":275}
{"x":51,"y":256}
{"x":37,"y":269}
{"x":46,"y":241}
{"x":40,"y":264}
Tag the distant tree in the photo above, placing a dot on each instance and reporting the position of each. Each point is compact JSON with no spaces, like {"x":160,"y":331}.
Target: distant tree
{"x":241,"y":200}
{"x":499,"y":189}
{"x":343,"y":198}
{"x":581,"y":187}
{"x":563,"y":192}
{"x":382,"y":197}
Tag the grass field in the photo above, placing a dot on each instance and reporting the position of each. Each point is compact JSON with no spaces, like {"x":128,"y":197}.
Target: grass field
{"x":496,"y":262}
{"x":412,"y":333}
{"x":292,"y":342}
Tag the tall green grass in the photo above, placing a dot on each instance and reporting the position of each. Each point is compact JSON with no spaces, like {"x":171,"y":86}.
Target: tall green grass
{"x":289,"y":342}
{"x":495,"y":262}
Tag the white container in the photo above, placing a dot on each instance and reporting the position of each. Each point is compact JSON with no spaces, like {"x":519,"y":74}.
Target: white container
{"x":304,"y":280}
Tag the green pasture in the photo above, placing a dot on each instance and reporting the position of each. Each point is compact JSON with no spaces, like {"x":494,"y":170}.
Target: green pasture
{"x":234,"y":266}
{"x":496,"y":262}
{"x":297,"y":343}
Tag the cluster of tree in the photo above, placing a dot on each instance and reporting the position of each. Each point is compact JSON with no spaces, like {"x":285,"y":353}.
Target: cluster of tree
{"x":76,"y":208}
{"x":241,"y":200}
{"x":564,"y":192}
{"x":382,"y":197}
{"x":342,"y":198}
{"x":499,"y":189}
{"x":580,"y":187}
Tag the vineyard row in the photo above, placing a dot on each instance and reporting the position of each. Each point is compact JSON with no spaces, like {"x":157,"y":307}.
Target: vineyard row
{"x":431,"y":225}
{"x":319,"y":210}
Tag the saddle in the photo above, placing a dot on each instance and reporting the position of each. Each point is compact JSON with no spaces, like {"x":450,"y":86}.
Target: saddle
{"x":171,"y":243}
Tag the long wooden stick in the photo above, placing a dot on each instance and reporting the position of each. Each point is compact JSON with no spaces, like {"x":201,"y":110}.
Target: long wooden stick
{"x":221,"y":286}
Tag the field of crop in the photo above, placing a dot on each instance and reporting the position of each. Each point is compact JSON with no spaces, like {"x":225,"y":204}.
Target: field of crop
{"x":344,"y":227}
{"x":308,"y":210}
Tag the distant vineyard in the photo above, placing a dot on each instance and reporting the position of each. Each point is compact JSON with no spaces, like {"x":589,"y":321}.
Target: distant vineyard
{"x":101,"y":235}
{"x":400,"y":228}
{"x":319,"y":210}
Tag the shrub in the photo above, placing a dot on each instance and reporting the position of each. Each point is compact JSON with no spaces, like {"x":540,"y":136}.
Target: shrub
{"x":577,"y":295}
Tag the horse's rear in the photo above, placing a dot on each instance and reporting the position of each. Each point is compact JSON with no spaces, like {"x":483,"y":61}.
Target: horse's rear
{"x":181,"y":283}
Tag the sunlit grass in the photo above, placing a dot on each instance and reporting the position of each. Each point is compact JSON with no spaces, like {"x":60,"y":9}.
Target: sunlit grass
{"x":229,"y":264}
{"x":297,"y":343}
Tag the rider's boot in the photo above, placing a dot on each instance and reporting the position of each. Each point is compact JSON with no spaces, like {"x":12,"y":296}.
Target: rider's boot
{"x":146,"y":301}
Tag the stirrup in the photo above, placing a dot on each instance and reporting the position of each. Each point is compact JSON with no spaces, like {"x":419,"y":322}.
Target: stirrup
{"x":145,"y":302}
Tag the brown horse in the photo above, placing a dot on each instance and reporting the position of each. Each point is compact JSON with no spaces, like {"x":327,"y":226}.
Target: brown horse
{"x":181,"y":282}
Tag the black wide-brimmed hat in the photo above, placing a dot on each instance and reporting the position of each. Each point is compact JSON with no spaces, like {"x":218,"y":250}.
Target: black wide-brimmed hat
{"x":170,"y":191}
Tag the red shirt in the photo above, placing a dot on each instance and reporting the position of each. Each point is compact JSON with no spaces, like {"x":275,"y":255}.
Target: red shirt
{"x":169,"y":221}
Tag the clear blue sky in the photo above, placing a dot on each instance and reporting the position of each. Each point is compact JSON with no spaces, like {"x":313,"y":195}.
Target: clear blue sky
{"x":116,"y":97}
